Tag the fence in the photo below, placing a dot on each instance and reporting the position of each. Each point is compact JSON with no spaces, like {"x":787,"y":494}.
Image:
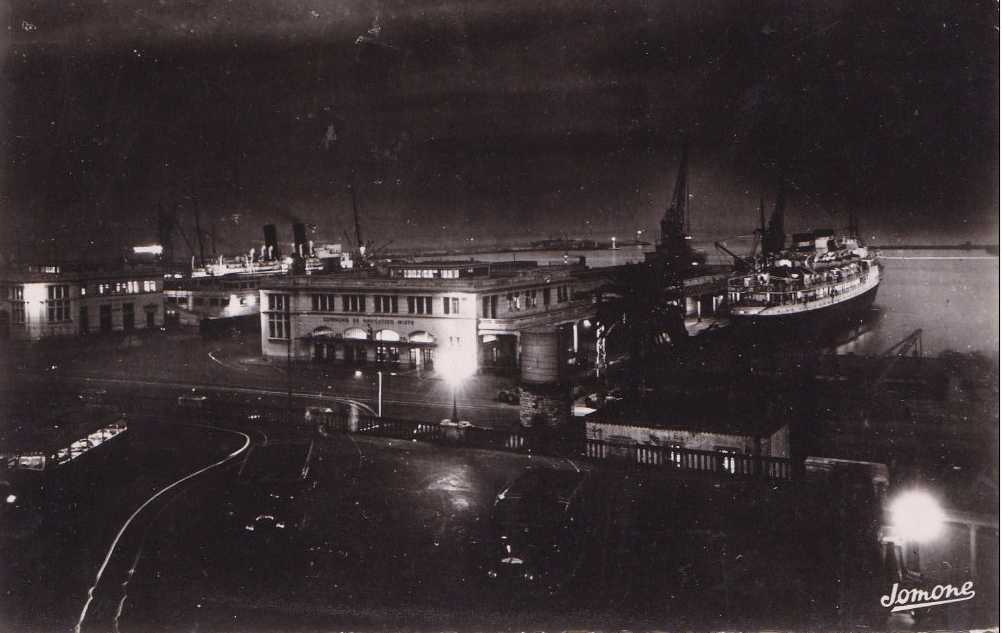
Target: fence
{"x":690,"y":459}
{"x":551,"y":442}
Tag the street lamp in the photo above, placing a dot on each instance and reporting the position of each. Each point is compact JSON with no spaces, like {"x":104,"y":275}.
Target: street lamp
{"x":916,"y":517}
{"x":455,"y":368}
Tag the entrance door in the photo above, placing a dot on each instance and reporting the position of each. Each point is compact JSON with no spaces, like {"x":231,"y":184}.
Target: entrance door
{"x":128,"y":317}
{"x":106,"y":318}
{"x":413,"y":354}
{"x":428,"y":357}
{"x":151,"y":319}
{"x":84,"y":320}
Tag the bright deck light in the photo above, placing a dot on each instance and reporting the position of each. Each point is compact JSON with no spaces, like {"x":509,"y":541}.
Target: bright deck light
{"x":916,"y":517}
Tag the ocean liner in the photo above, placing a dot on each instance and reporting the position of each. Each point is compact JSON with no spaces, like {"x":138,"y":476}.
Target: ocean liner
{"x":821,"y":280}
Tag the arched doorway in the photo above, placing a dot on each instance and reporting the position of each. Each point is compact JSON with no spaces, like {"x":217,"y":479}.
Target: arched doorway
{"x":323,"y":344}
{"x":356,"y":349}
{"x":387,"y":349}
{"x":422,"y":349}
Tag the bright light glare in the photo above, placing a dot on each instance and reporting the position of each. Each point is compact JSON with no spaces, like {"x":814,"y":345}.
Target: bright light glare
{"x":11,"y":498}
{"x":151,"y":249}
{"x":916,"y":517}
{"x":456,"y":366}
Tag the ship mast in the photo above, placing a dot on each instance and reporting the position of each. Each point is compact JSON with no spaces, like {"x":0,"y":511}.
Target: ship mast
{"x":774,"y":237}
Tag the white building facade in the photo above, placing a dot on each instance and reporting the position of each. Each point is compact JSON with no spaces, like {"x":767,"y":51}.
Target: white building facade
{"x":43,"y":302}
{"x":416,"y":315}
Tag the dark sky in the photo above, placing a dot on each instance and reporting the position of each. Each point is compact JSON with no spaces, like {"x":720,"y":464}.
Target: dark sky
{"x":518,"y":119}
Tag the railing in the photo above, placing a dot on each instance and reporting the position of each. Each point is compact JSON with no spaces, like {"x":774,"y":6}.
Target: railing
{"x":685,"y":459}
{"x":527,"y":440}
{"x":825,"y":291}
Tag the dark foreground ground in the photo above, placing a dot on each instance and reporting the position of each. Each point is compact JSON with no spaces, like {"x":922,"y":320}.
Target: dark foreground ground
{"x":397,"y":534}
{"x":389,"y":534}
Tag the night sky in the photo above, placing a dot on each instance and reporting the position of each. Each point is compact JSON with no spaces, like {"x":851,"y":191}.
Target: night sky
{"x":494,"y":120}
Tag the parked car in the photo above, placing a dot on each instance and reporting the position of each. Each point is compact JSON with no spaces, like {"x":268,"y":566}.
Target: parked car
{"x":510,"y":396}
{"x":93,"y":396}
{"x":192,"y":400}
{"x":272,"y":496}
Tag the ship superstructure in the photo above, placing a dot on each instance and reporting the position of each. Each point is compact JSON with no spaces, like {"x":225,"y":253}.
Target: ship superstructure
{"x":820,"y":276}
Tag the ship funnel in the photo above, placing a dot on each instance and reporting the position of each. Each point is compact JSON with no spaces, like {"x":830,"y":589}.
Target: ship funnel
{"x":299,"y":238}
{"x":271,"y":241}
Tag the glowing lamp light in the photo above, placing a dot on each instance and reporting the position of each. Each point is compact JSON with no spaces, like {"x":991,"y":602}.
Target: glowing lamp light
{"x":916,"y":517}
{"x":11,"y":498}
{"x":148,"y":249}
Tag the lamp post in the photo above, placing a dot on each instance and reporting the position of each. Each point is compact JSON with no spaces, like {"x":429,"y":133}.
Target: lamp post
{"x":455,"y":369}
{"x":288,"y":356}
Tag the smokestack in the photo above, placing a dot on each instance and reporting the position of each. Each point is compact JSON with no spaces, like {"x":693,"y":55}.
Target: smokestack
{"x":271,"y":241}
{"x":299,"y":238}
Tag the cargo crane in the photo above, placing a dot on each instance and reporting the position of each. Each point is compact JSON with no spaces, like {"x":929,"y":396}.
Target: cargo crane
{"x":909,"y":344}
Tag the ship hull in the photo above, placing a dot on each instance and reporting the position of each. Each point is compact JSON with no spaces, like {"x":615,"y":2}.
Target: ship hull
{"x":822,"y":321}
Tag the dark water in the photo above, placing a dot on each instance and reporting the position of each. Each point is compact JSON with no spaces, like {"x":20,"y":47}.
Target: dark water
{"x":953,"y":296}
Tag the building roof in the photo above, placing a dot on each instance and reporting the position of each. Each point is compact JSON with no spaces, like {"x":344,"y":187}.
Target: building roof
{"x":73,"y":273}
{"x":496,"y":278}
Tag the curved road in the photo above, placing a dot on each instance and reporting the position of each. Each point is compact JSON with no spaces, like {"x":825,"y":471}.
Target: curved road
{"x":108,"y":592}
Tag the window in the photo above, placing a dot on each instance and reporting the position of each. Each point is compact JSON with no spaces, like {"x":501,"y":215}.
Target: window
{"x":419,"y":305}
{"x":562,"y":294}
{"x":514,"y":303}
{"x":278,"y":321}
{"x":490,"y":307}
{"x":386,"y":303}
{"x":450,"y":274}
{"x":103,"y":289}
{"x":450,"y":305}
{"x":546,"y":296}
{"x":323,"y":303}
{"x":83,"y":290}
{"x":530,"y":298}
{"x":150,"y":285}
{"x":58,"y":306}
{"x":278,"y":325}
{"x":353,"y":303}
{"x":17,"y":314}
{"x":277,"y":302}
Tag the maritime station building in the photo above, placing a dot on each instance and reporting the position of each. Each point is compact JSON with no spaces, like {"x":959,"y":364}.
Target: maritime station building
{"x":454,"y":315}
{"x":38,"y":302}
